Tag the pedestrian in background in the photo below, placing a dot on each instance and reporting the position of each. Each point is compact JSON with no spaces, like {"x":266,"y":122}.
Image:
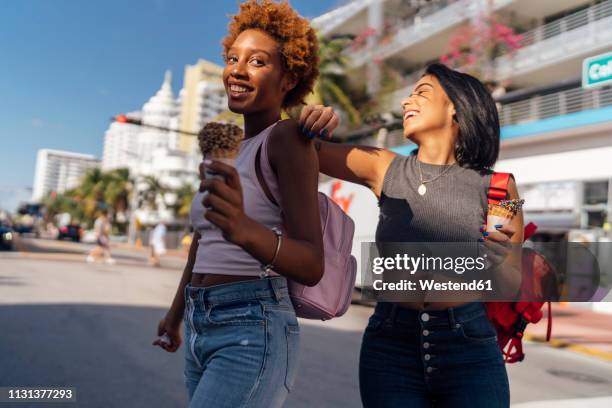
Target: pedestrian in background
{"x":102,"y":230}
{"x":157,"y":242}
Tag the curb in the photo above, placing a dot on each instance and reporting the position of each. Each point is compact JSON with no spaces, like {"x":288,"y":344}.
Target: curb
{"x":576,"y":348}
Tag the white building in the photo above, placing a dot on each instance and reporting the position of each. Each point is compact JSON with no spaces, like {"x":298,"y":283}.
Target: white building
{"x":202,"y":99}
{"x":148,"y":151}
{"x":57,"y":171}
{"x":159,"y":110}
{"x":121,"y":145}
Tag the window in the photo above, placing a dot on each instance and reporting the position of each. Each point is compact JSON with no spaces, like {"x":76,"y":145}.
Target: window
{"x":596,"y":192}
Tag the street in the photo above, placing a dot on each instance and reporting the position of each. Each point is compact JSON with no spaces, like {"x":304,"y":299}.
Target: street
{"x":90,"y":326}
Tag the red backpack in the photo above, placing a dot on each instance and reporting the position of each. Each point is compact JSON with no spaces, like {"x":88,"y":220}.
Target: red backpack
{"x":538,"y":275}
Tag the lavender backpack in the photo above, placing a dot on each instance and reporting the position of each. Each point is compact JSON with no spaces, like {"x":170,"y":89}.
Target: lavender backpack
{"x":331,"y":297}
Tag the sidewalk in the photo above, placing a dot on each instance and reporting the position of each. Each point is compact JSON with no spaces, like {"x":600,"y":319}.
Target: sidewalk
{"x":576,"y":329}
{"x":146,"y":250}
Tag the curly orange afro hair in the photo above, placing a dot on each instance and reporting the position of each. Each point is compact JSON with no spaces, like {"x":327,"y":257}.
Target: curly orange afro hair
{"x":299,"y":46}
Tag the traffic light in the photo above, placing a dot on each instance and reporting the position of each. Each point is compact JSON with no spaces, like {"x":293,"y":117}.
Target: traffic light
{"x":124,"y":119}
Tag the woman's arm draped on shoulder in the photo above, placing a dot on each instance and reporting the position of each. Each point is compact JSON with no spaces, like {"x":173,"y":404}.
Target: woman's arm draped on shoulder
{"x":364,"y":165}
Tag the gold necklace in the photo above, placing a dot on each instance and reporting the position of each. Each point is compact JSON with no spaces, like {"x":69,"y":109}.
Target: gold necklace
{"x":422,"y":188}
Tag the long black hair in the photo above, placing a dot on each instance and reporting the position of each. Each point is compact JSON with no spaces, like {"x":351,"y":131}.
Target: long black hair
{"x":477,"y":145}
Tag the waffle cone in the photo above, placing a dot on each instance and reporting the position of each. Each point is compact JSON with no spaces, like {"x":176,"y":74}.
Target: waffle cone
{"x":222,"y":154}
{"x":497,"y":211}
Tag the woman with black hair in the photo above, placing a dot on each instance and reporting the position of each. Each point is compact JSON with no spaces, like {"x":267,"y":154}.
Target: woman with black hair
{"x":443,"y":354}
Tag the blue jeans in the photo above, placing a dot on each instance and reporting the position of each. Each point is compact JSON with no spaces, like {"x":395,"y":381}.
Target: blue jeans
{"x":241,"y":344}
{"x":446,"y":358}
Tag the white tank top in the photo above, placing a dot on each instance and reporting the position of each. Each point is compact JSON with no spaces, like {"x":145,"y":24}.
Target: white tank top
{"x":215,"y":255}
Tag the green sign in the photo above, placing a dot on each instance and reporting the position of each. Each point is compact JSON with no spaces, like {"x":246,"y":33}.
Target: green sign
{"x":597,"y":70}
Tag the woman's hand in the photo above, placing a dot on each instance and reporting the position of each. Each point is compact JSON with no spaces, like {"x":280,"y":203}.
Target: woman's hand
{"x":172,"y":333}
{"x":498,"y":243}
{"x":318,"y":121}
{"x":224,"y":203}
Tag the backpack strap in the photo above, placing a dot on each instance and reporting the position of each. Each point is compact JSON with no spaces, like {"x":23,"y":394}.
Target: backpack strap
{"x":498,"y":187}
{"x":265,"y":174}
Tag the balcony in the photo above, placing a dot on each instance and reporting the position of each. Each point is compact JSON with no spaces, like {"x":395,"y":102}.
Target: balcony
{"x":561,"y":110}
{"x":438,"y":18}
{"x":556,"y":104}
{"x":580,"y":34}
{"x":329,"y":21}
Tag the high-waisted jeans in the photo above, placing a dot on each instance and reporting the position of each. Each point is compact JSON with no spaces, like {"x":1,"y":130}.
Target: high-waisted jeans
{"x":447,"y":358}
{"x":241,"y":344}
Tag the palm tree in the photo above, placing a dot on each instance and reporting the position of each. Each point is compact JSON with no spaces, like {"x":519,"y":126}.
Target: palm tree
{"x":117,"y":188}
{"x":182,"y":206}
{"x":153,"y":189}
{"x":90,"y":193}
{"x":332,"y":87}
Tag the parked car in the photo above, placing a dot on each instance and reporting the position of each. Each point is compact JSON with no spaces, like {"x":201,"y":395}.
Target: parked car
{"x":7,"y":236}
{"x":71,"y":231}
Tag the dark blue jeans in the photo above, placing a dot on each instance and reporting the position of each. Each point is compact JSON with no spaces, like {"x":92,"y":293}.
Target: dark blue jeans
{"x":446,"y":358}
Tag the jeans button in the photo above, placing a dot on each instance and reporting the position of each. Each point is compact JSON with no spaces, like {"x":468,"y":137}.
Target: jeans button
{"x":427,"y":357}
{"x":429,"y":370}
{"x":425,"y":345}
{"x":425,"y":317}
{"x":425,"y":332}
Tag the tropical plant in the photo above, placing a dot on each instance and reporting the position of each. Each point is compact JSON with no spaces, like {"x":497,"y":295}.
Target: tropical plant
{"x":332,"y":88}
{"x":117,"y":189}
{"x":154,"y":189}
{"x":97,"y":190}
{"x":182,"y":205}
{"x":474,"y":47}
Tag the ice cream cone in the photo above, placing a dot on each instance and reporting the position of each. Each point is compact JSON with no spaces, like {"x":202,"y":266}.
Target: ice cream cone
{"x":227,"y":157}
{"x":502,"y":213}
{"x":220,"y":141}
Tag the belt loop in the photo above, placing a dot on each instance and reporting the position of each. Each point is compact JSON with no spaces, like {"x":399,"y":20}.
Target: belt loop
{"x":451,"y":317}
{"x":276,"y":288}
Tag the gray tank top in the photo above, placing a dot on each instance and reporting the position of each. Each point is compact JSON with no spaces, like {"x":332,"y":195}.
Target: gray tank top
{"x":452,"y":210}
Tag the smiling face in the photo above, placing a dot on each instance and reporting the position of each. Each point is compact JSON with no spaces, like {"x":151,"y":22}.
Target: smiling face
{"x":254,"y":77}
{"x":428,"y":111}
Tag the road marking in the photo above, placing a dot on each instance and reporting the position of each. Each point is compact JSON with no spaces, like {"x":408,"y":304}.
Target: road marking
{"x":577,"y":348}
{"x":599,"y":402}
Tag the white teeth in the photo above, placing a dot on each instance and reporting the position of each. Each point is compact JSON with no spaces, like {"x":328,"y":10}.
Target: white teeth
{"x":410,"y":114}
{"x":238,"y":88}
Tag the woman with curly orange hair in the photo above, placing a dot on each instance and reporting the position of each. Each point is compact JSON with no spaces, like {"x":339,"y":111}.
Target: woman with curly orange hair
{"x":242,"y":331}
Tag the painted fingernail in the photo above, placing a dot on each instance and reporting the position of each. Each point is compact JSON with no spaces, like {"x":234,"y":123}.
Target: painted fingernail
{"x":324,"y":133}
{"x":498,"y":226}
{"x":480,"y":239}
{"x":485,"y":234}
{"x":311,"y":135}
{"x":305,"y":131}
{"x":482,"y":228}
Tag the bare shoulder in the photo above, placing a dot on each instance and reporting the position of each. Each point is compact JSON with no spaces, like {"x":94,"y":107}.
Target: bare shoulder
{"x":287,"y":142}
{"x":287,"y":133}
{"x":512,"y":188}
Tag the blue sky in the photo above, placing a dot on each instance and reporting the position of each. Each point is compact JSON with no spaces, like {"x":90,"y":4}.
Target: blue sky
{"x":67,"y":66}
